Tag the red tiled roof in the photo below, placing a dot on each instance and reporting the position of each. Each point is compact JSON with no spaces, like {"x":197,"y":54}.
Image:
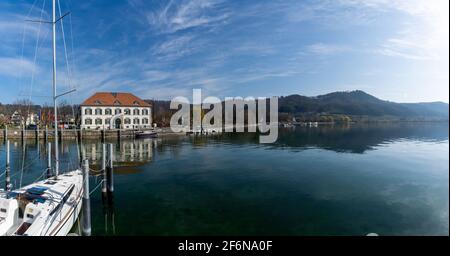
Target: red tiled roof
{"x":114,"y":99}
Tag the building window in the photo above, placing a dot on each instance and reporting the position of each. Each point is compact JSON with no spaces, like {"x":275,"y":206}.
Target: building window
{"x":145,"y":112}
{"x":117,"y":111}
{"x":88,"y":121}
{"x":98,"y":111}
{"x":127,"y":121}
{"x":136,"y":112}
{"x":145,"y":121}
{"x":108,"y":111}
{"x":136,"y":121}
{"x":127,"y":111}
{"x":108,"y":121}
{"x":98,"y":121}
{"x":88,"y":111}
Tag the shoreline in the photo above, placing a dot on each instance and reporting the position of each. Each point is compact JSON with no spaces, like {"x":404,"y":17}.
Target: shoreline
{"x":14,"y":133}
{"x":79,"y":134}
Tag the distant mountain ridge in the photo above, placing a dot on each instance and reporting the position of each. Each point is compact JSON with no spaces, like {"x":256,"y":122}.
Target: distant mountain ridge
{"x":347,"y":106}
{"x":359,"y":103}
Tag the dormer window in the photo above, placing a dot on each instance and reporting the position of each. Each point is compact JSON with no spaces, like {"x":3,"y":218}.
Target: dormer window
{"x":136,"y":103}
{"x":97,"y":102}
{"x":117,"y":103}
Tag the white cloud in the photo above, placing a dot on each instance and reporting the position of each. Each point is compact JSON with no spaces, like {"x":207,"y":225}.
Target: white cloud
{"x":15,"y":67}
{"x":325,"y":49}
{"x":176,"y":47}
{"x":425,"y":32}
{"x":14,"y":29}
{"x":155,"y":75}
{"x":186,"y":14}
{"x":179,"y":51}
{"x":426,"y":37}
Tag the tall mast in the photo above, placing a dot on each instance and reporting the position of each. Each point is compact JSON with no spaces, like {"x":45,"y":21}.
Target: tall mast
{"x":54,"y":92}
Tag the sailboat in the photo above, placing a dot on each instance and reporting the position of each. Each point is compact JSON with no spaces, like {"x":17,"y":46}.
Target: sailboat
{"x":49,"y":207}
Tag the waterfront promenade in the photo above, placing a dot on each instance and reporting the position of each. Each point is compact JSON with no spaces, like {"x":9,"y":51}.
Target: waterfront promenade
{"x":14,"y":133}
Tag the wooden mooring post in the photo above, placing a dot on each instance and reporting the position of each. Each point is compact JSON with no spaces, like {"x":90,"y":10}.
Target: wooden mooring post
{"x":104,"y":187}
{"x":37,"y":133}
{"x":79,"y":135}
{"x":86,"y":222}
{"x":7,"y":171}
{"x":23,"y":132}
{"x":60,"y":137}
{"x":6,"y":134}
{"x":49,"y":160}
{"x":102,"y":133}
{"x":38,"y":148}
{"x":80,"y":147}
{"x":110,"y":171}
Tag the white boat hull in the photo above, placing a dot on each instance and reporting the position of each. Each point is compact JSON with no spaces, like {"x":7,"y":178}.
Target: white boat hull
{"x":63,"y":227}
{"x":48,"y":208}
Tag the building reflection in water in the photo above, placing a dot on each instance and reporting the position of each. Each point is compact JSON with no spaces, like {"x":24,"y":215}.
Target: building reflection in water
{"x":128,"y":156}
{"x":127,"y":152}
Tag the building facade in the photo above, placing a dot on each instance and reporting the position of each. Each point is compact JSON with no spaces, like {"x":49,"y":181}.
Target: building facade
{"x":17,"y":119}
{"x":110,"y":110}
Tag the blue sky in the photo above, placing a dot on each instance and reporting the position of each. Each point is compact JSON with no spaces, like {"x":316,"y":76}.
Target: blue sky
{"x":395,"y":50}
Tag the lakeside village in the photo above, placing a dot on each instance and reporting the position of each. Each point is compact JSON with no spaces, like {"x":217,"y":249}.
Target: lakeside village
{"x":102,"y":114}
{"x":107,"y":114}
{"x":100,"y":111}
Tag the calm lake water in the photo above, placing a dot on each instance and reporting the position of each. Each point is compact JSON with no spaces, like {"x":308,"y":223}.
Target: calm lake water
{"x":389,"y":179}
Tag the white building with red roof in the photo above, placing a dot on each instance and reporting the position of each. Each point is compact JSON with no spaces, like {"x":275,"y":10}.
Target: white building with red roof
{"x":115,"y":110}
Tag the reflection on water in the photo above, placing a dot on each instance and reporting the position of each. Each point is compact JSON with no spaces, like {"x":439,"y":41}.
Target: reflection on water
{"x":128,"y":156}
{"x":127,"y":153}
{"x":108,"y":212}
{"x":348,"y":138}
{"x":389,"y":179}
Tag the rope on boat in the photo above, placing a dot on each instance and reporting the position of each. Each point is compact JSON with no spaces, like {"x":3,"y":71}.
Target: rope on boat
{"x":30,"y":163}
{"x":40,"y":176}
{"x":96,"y":172}
{"x":3,"y":180}
{"x":96,"y":187}
{"x":23,"y":163}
